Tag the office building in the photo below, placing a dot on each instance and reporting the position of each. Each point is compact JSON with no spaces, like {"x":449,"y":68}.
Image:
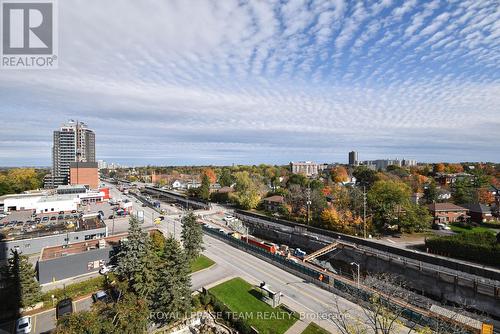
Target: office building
{"x":73,"y":142}
{"x":353,"y":158}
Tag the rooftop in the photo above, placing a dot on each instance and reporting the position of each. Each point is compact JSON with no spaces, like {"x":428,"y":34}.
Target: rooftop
{"x":275,"y":198}
{"x":80,"y":247}
{"x":445,"y":207}
{"x":29,"y":228}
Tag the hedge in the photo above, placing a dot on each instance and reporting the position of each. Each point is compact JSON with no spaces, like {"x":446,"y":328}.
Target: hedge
{"x":481,"y":247}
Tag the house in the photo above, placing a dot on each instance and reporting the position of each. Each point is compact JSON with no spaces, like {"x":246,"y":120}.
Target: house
{"x":178,"y":184}
{"x":447,"y":212}
{"x":416,"y":197}
{"x":479,"y":213}
{"x":443,"y":194}
{"x":448,"y":179}
{"x":273,"y":203}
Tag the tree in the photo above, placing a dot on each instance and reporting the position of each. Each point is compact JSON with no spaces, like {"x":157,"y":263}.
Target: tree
{"x":340,"y":221}
{"x":463,"y":191}
{"x":430,"y":192}
{"x":339,"y":174}
{"x":386,"y":199}
{"x":192,"y":236}
{"x":415,"y":218}
{"x":158,"y":242}
{"x":439,"y":168}
{"x":84,"y":322}
{"x":212,"y":177}
{"x":17,"y":180}
{"x":23,"y":277}
{"x":136,"y":261}
{"x":365,"y":176}
{"x":381,"y":315}
{"x":225,"y":178}
{"x":204,"y":189}
{"x":173,"y":295}
{"x":247,"y":193}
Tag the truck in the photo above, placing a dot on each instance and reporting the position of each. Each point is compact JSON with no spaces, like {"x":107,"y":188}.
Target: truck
{"x":267,"y":246}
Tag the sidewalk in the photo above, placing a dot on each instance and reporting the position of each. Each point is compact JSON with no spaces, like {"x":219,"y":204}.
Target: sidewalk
{"x":297,"y":327}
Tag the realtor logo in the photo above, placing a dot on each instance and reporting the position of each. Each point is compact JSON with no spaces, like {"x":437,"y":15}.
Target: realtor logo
{"x":29,"y":39}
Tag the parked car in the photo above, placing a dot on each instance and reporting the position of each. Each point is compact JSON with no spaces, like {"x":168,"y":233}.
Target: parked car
{"x":23,"y":325}
{"x":73,"y":211}
{"x":61,"y":212}
{"x":53,"y":218}
{"x":64,"y":307}
{"x":101,"y":296}
{"x":45,"y":219}
{"x":106,"y":269}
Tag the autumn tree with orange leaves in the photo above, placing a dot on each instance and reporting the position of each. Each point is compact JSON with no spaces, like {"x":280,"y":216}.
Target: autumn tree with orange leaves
{"x":212,"y":177}
{"x":339,"y":174}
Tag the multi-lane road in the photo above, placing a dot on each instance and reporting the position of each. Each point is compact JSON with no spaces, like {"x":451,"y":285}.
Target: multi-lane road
{"x":311,"y":302}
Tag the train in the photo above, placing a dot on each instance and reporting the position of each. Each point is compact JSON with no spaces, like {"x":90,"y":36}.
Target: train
{"x":267,"y":246}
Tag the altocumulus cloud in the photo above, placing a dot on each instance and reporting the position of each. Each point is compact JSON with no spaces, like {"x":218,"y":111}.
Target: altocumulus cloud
{"x":217,"y":82}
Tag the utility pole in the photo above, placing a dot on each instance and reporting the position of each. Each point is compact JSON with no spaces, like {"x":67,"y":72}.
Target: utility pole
{"x":364,"y":211}
{"x":308,"y":194}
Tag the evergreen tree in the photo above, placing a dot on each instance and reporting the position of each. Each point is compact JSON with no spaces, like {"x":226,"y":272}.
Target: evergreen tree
{"x":192,"y":236}
{"x":204,"y":189}
{"x":23,"y":276}
{"x":430,"y":192}
{"x":136,"y":260}
{"x":173,"y":293}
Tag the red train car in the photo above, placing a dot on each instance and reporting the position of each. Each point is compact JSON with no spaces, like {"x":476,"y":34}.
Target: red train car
{"x":271,"y":248}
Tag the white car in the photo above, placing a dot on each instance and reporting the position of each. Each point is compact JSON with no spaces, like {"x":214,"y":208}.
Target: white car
{"x":106,"y":269}
{"x":23,"y":325}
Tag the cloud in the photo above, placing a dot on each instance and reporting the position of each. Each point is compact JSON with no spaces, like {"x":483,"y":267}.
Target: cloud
{"x":264,"y":81}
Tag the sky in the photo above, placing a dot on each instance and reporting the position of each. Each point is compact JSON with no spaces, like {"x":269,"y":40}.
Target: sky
{"x":248,"y":82}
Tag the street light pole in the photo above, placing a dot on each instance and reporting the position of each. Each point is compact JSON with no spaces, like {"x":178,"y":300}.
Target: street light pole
{"x":357,"y":277}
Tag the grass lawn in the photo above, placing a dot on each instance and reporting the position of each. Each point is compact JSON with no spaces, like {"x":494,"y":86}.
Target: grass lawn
{"x":200,"y":263}
{"x":242,"y":298}
{"x":314,"y":329}
{"x":459,"y":229}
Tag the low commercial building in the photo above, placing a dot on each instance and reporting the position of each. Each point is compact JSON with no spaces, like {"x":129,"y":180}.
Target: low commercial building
{"x":448,"y":212}
{"x":67,"y":261}
{"x":32,"y":237}
{"x":84,"y":173}
{"x":38,"y":202}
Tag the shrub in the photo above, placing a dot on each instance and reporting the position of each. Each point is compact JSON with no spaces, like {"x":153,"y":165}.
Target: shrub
{"x":481,"y":247}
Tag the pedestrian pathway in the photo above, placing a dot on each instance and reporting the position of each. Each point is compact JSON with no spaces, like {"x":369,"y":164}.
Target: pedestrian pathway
{"x":297,"y":327}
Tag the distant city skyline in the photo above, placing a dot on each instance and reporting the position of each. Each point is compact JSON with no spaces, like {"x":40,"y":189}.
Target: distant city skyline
{"x":264,"y":82}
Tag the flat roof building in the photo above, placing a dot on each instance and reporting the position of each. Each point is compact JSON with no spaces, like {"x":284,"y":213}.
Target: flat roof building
{"x":84,"y":173}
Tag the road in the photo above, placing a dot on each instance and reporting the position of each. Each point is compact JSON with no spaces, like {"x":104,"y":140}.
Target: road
{"x":311,"y":302}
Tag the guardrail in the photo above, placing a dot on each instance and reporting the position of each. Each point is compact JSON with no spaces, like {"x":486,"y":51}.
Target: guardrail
{"x":423,"y":257}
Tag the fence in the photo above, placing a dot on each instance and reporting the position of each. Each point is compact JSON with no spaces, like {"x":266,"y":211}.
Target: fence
{"x":330,"y":283}
{"x":431,"y":259}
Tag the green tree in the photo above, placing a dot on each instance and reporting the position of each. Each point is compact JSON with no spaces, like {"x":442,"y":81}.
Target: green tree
{"x":430,"y":193}
{"x":173,"y":293}
{"x":463,"y":191}
{"x":414,"y":218}
{"x":136,"y":261}
{"x":247,"y":191}
{"x":204,"y":189}
{"x":158,"y":242}
{"x":84,"y":322}
{"x":225,"y":178}
{"x":24,"y":278}
{"x":386,"y":199}
{"x":365,"y":176}
{"x":192,"y":236}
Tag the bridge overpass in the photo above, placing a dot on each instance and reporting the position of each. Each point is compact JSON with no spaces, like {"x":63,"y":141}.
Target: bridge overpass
{"x":185,"y":201}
